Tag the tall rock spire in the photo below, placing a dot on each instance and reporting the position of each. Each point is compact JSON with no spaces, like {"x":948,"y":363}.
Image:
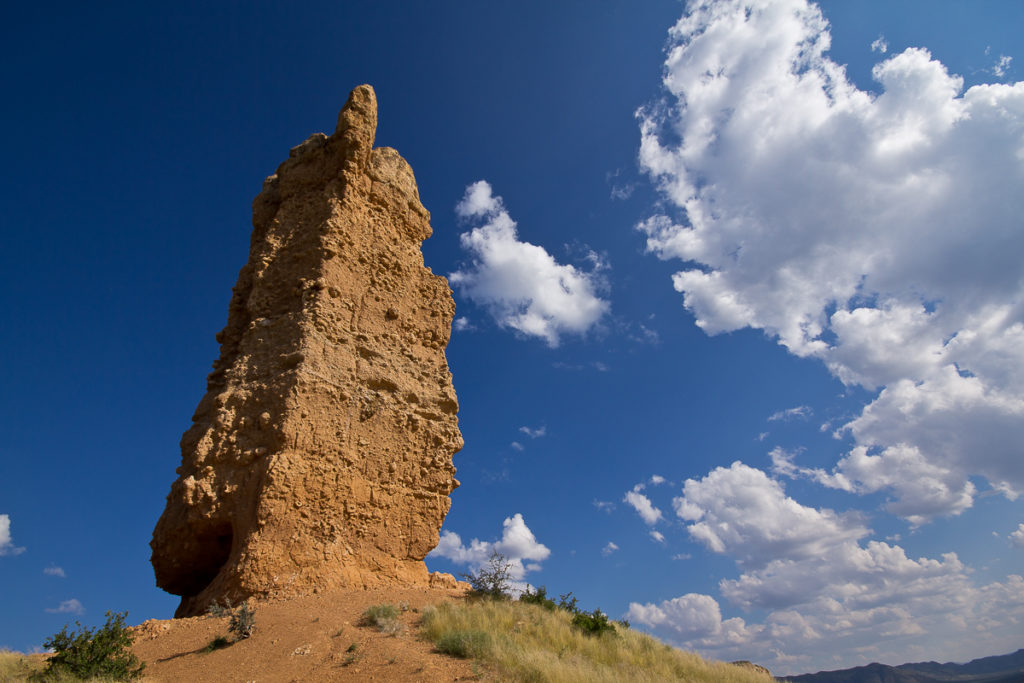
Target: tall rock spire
{"x":321,"y":455}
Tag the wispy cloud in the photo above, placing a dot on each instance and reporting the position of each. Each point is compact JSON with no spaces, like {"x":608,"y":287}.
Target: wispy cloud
{"x":620,"y":190}
{"x":521,"y":284}
{"x":604,"y":505}
{"x":72,"y":606}
{"x":534,"y":433}
{"x":1002,"y":66}
{"x":609,"y":549}
{"x":880,"y":45}
{"x":54,"y":570}
{"x":802,"y":412}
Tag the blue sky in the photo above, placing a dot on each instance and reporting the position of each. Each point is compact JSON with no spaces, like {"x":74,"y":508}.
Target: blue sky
{"x":739,"y":298}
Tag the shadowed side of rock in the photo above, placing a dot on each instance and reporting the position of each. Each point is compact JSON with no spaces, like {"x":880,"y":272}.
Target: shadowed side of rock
{"x":321,"y":455}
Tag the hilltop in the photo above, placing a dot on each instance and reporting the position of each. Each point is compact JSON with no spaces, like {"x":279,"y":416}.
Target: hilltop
{"x":325,"y":637}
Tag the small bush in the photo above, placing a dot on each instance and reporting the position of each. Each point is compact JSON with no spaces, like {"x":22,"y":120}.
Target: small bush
{"x":538,"y":597}
{"x":492,"y":581}
{"x":93,"y":654}
{"x":568,"y":603}
{"x":243,"y":621}
{"x":464,"y":644}
{"x":384,"y":617}
{"x":593,"y":623}
{"x":375,"y":614}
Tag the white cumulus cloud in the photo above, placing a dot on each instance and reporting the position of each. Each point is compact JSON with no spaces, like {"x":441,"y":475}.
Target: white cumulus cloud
{"x":7,"y":546}
{"x":823,"y":588}
{"x":740,"y":511}
{"x":879,"y":233}
{"x":1017,"y":536}
{"x":642,"y":504}
{"x":609,"y":549}
{"x":519,"y":283}
{"x":518,"y":545}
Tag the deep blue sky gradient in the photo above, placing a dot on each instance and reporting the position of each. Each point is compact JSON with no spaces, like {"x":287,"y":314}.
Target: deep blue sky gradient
{"x":135,"y":137}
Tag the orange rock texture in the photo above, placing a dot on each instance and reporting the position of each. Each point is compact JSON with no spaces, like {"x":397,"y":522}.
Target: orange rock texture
{"x":321,"y":455}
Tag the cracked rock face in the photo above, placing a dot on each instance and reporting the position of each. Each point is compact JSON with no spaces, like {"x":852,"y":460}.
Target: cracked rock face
{"x":321,"y":455}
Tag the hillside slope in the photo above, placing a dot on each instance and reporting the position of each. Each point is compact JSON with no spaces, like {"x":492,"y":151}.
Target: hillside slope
{"x":324,"y":637}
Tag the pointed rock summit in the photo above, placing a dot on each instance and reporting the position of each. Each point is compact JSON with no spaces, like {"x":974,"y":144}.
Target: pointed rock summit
{"x":321,"y":455}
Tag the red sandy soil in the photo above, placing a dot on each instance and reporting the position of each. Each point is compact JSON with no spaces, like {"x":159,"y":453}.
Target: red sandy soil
{"x":304,"y":639}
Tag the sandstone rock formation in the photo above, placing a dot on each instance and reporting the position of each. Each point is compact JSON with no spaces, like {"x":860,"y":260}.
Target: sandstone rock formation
{"x":321,"y":455}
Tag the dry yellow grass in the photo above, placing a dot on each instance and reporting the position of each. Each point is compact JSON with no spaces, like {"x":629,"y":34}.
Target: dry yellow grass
{"x":524,"y":642}
{"x":14,"y":666}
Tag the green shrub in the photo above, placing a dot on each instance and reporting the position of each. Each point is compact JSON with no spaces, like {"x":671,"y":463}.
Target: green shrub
{"x":593,"y":623}
{"x":464,"y":644}
{"x":538,"y":597}
{"x":492,"y":581}
{"x":568,"y":603}
{"x":93,"y":654}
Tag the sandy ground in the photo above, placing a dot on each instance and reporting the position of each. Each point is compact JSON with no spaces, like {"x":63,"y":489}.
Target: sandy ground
{"x":313,"y":638}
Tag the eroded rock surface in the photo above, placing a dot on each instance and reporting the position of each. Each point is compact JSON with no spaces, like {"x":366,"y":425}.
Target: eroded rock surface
{"x":321,"y":455}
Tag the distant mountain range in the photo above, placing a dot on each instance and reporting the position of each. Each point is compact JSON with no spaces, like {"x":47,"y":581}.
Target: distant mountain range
{"x":1000,"y":669}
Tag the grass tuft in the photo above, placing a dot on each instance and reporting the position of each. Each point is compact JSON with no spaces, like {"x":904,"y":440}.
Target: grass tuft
{"x":384,"y":618}
{"x":375,"y":614}
{"x":465,"y":644}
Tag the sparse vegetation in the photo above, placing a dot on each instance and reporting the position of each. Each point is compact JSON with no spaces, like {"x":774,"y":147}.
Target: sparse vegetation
{"x":384,"y":617}
{"x":375,"y":614}
{"x":242,"y":620}
{"x":492,"y":581}
{"x":592,"y":623}
{"x":352,"y":654}
{"x":527,"y":641}
{"x":87,"y":653}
